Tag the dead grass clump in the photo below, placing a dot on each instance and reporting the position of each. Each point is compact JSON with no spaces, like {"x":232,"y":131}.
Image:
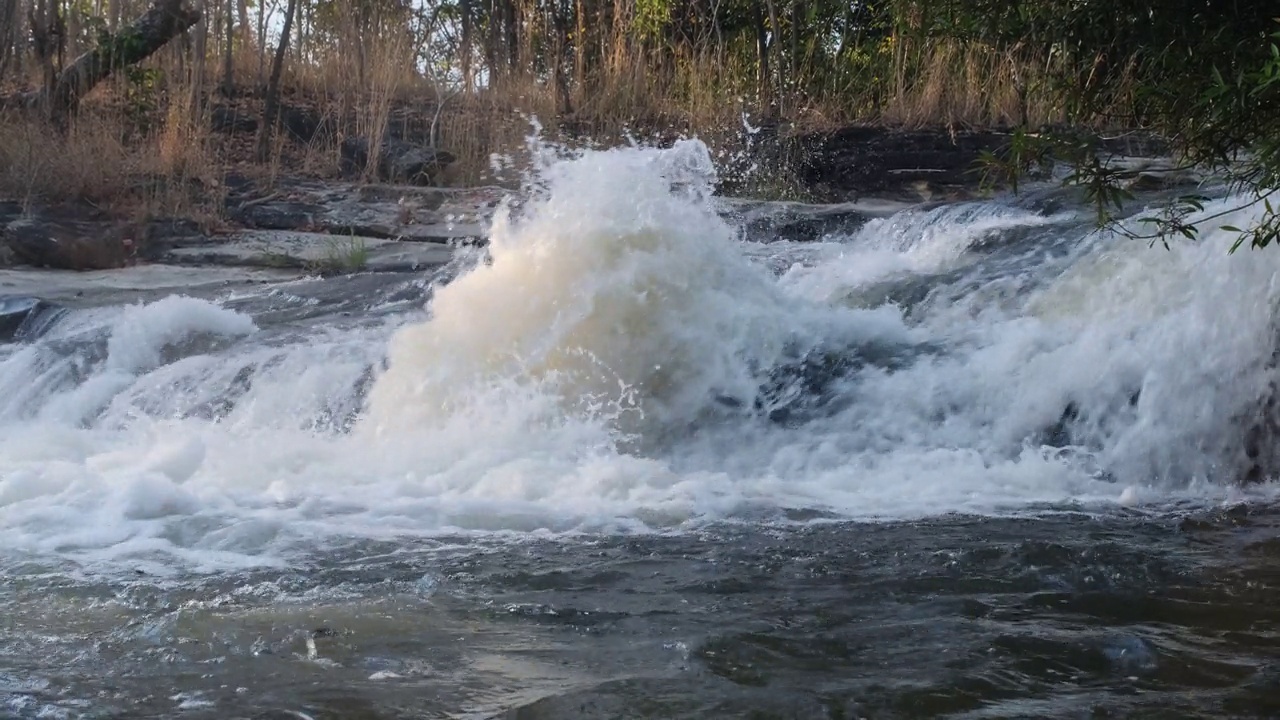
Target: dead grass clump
{"x":87,"y":163}
{"x":105,"y":160}
{"x":185,"y":178}
{"x":948,"y":84}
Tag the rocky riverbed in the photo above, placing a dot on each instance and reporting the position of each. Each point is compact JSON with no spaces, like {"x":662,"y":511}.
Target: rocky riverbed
{"x":330,"y":225}
{"x":971,"y":460}
{"x":336,"y":226}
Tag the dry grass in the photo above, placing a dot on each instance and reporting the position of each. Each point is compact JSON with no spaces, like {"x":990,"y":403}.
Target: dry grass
{"x":953,"y":85}
{"x":87,"y":163}
{"x":105,"y":161}
{"x":699,"y":96}
{"x":369,"y":87}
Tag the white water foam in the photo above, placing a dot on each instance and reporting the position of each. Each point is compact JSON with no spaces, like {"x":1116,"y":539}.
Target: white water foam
{"x":624,"y":298}
{"x":597,"y":373}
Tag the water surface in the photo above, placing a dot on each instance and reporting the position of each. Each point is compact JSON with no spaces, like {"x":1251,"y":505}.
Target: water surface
{"x":975,"y":460}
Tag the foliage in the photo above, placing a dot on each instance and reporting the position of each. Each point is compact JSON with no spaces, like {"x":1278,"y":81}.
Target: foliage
{"x":1207,"y":80}
{"x":345,"y":256}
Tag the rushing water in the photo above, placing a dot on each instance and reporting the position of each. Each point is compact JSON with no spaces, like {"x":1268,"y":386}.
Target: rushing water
{"x":974,"y":460}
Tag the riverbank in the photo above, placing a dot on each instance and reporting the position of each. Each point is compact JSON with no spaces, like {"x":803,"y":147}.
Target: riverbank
{"x":789,"y":185}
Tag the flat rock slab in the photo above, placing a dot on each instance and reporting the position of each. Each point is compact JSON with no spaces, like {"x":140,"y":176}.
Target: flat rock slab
{"x":310,"y":251}
{"x":72,"y":288}
{"x":389,"y":212}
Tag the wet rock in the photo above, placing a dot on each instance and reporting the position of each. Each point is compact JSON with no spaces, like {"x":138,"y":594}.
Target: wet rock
{"x":808,"y":386}
{"x":9,"y":212}
{"x":313,"y":252}
{"x":1155,"y":181}
{"x":16,"y":314}
{"x":398,"y":161}
{"x":1260,"y":436}
{"x":801,"y":222}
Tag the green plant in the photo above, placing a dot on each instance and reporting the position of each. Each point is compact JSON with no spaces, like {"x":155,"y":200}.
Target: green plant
{"x":1208,"y":82}
{"x":344,"y":256}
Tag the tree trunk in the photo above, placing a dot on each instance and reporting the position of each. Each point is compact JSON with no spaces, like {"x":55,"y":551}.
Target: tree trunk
{"x":464,"y":7}
{"x":560,"y":32}
{"x":47,"y":37}
{"x":774,"y":36}
{"x":246,"y":27}
{"x":271,"y":103}
{"x":72,"y":15}
{"x":199,"y":52}
{"x":262,"y":39}
{"x":8,"y":33}
{"x":491,"y":49}
{"x":580,"y":46}
{"x":163,"y":21}
{"x":793,"y":63}
{"x":762,"y":49}
{"x":512,"y":40}
{"x":228,"y":67}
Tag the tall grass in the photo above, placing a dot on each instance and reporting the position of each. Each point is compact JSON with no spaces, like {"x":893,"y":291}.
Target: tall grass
{"x":369,"y":86}
{"x":91,"y":162}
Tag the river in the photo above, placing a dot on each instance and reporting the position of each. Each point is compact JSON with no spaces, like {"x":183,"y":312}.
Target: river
{"x":970,"y":460}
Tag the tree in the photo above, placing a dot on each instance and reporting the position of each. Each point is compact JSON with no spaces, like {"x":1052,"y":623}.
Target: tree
{"x":271,"y":102}
{"x":10,"y":32}
{"x":1205,"y":79}
{"x":163,"y":21}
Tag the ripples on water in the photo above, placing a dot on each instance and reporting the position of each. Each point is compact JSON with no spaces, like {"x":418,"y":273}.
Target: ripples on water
{"x":1063,"y":615}
{"x":967,"y":461}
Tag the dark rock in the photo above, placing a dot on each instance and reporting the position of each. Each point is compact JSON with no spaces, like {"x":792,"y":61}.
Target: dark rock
{"x":232,"y":120}
{"x":15,"y":312}
{"x":1136,"y":144}
{"x":9,"y":211}
{"x":279,"y":215}
{"x":304,"y":124}
{"x":1260,"y":433}
{"x":300,"y":124}
{"x":929,"y":164}
{"x":24,"y":318}
{"x":398,"y":161}
{"x":162,"y":234}
{"x":859,"y":161}
{"x":68,"y":244}
{"x":799,"y":222}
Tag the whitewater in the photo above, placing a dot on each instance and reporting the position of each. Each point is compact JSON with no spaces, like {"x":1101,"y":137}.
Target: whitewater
{"x":976,"y":459}
{"x":610,"y":363}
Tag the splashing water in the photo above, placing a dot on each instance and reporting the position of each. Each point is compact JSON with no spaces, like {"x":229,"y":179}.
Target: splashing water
{"x":620,"y":295}
{"x":619,"y":361}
